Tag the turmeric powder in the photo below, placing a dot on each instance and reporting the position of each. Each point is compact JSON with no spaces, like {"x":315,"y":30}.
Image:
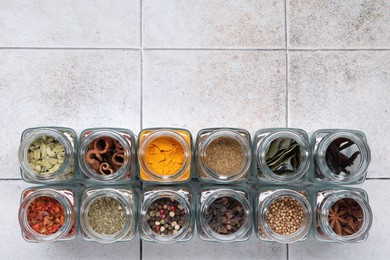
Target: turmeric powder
{"x":164,"y":156}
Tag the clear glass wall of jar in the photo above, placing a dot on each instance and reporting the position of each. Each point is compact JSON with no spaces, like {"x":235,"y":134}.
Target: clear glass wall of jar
{"x":49,"y":214}
{"x":109,"y":215}
{"x":233,"y":205}
{"x":283,"y":214}
{"x":343,"y":215}
{"x":341,"y":156}
{"x":108,"y":155}
{"x":167,"y":214}
{"x":46,"y":154}
{"x":165,"y":155}
{"x":223,"y":155}
{"x":281,"y":155}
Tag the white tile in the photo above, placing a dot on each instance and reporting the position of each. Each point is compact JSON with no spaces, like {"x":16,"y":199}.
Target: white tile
{"x":199,"y":89}
{"x":376,"y":246}
{"x":75,"y":23}
{"x":16,"y":248}
{"x":344,"y":90}
{"x":213,"y":24}
{"x":77,"y":89}
{"x":339,"y":24}
{"x":198,"y":249}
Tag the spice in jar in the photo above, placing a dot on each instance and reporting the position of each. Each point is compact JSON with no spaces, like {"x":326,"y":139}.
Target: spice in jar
{"x":106,"y":215}
{"x":225,"y":156}
{"x":345,"y":217}
{"x":337,"y":160}
{"x":105,"y":155}
{"x":285,"y":215}
{"x":45,"y":215}
{"x":166,"y":216}
{"x":225,"y":215}
{"x":45,"y":155}
{"x":164,"y":156}
{"x":284,"y":156}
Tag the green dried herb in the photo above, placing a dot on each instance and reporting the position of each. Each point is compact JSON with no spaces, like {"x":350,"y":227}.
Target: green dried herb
{"x":284,"y":156}
{"x":106,"y":215}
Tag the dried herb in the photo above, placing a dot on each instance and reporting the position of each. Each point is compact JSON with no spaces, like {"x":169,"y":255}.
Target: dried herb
{"x":45,"y":215}
{"x":106,"y":215}
{"x":225,"y":215}
{"x":336,"y":160}
{"x":166,"y":216}
{"x":284,"y":156}
{"x":285,"y":215}
{"x":345,"y":217}
{"x":225,"y":156}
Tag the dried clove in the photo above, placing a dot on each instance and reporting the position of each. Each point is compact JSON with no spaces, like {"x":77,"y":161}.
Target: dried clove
{"x":336,"y":160}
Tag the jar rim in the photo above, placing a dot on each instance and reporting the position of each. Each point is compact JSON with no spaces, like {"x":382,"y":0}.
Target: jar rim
{"x":246,"y":225}
{"x":165,"y":193}
{"x":68,"y":215}
{"x":91,"y":173}
{"x":126,"y":204}
{"x":362,"y":147}
{"x":159,"y":134}
{"x":231,"y":134}
{"x":264,"y":146}
{"x":300,"y":233}
{"x":35,"y":134}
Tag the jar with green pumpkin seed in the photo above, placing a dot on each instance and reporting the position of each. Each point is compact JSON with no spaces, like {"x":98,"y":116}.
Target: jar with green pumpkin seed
{"x":281,"y":155}
{"x":46,"y":154}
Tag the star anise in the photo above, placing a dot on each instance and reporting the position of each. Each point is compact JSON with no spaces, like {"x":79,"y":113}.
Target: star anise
{"x":336,"y":218}
{"x":345,"y":217}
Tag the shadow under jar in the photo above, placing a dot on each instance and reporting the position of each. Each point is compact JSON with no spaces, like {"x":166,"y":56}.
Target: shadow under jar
{"x":342,"y":215}
{"x":46,"y":154}
{"x":224,"y":214}
{"x":341,"y":156}
{"x":108,"y":215}
{"x":281,"y":155}
{"x":167,"y":214}
{"x":283,"y":215}
{"x":165,"y":155}
{"x":223,"y":155}
{"x":48,"y":214}
{"x":107,"y":155}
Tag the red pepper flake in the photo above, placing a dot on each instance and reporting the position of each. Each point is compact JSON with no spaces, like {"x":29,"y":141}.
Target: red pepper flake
{"x":45,"y":215}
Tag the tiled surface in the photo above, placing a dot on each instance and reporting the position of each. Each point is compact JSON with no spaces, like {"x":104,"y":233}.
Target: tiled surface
{"x":88,"y":64}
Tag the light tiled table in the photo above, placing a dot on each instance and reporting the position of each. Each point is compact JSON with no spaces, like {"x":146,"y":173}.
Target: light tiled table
{"x":195,"y":64}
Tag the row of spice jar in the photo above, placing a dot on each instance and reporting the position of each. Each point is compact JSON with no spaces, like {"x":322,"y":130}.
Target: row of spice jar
{"x":168,"y":156}
{"x":167,"y":214}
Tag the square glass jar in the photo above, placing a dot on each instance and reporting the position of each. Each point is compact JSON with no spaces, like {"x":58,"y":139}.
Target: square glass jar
{"x":109,"y":214}
{"x":165,"y":155}
{"x":273,"y":203}
{"x":58,"y":205}
{"x":234,"y":206}
{"x":347,"y":206}
{"x":108,"y":155}
{"x":281,"y":155}
{"x":223,"y":155}
{"x":340,"y":156}
{"x":47,"y":155}
{"x":167,"y":214}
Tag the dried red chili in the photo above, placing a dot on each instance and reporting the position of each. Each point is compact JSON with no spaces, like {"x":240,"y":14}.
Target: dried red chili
{"x":45,"y":215}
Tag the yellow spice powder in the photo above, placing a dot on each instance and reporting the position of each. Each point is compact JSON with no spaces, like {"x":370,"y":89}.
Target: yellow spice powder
{"x":164,"y":156}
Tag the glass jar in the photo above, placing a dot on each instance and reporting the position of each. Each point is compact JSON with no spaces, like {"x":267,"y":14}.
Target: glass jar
{"x":46,"y":154}
{"x":341,"y":156}
{"x":235,"y":211}
{"x":223,"y":155}
{"x":165,"y":155}
{"x":353,"y":214}
{"x":277,"y":202}
{"x":113,"y":211}
{"x":167,"y":214}
{"x":108,"y":155}
{"x":281,"y":155}
{"x":51,"y":201}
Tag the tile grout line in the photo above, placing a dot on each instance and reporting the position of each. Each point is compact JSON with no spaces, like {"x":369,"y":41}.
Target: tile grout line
{"x":286,"y":58}
{"x":142,"y":92}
